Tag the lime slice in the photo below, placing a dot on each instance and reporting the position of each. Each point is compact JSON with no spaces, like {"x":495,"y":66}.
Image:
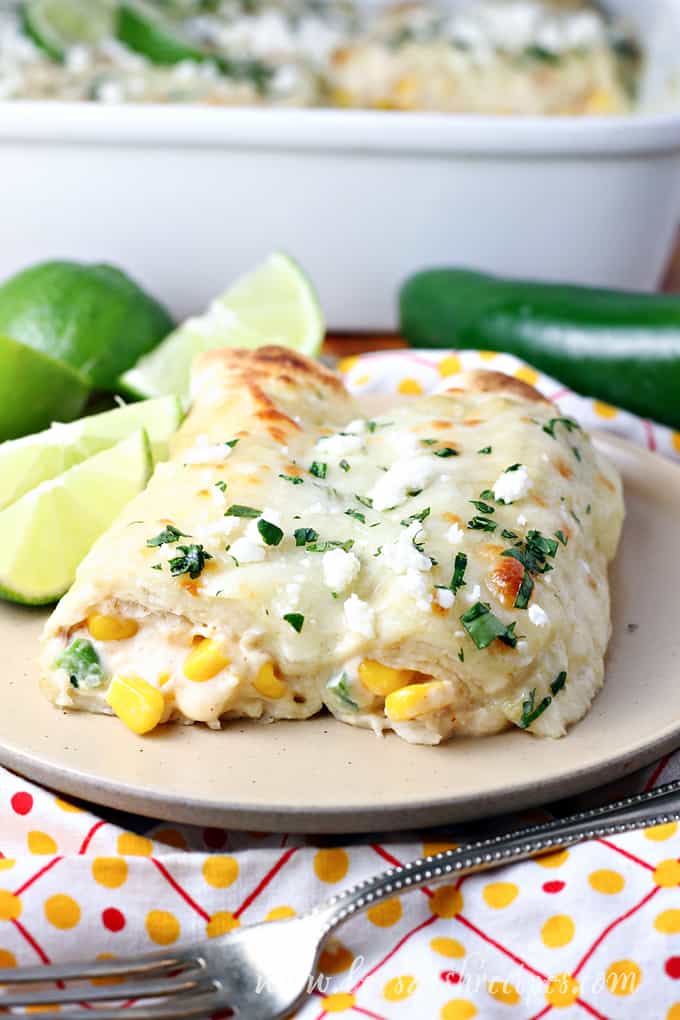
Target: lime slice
{"x":48,"y":531}
{"x":25,"y":463}
{"x":57,"y":25}
{"x":146,"y":30}
{"x":274,"y":304}
{"x":93,"y":317}
{"x":35,"y":389}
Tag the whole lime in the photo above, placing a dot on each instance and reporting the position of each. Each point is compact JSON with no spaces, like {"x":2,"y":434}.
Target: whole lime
{"x":92,"y":317}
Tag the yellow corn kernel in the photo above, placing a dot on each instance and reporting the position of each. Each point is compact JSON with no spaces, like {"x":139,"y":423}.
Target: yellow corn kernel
{"x":382,"y":680}
{"x":205,"y":661}
{"x":136,"y":703}
{"x":163,"y":678}
{"x":268,"y":684}
{"x":111,"y":628}
{"x":601,"y":101}
{"x":418,"y":699}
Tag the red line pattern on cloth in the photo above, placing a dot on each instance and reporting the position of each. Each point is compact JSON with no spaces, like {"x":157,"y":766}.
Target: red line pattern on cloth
{"x":179,"y":889}
{"x":626,"y":853}
{"x":610,"y":927}
{"x":90,"y":836}
{"x":34,"y":878}
{"x":264,"y":882}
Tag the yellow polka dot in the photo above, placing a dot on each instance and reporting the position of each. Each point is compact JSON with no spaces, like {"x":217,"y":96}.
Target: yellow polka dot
{"x":658,"y":833}
{"x":553,"y":860}
{"x":557,"y":931}
{"x":398,"y":988}
{"x":347,"y":364}
{"x":41,"y":843}
{"x":6,"y":863}
{"x":674,"y":1012}
{"x":562,"y":991}
{"x":221,"y":923}
{"x":335,"y":959}
{"x":450,"y":366}
{"x":111,"y":872}
{"x":386,"y":913}
{"x":447,"y":901}
{"x":103,"y":982}
{"x":362,"y":380}
{"x":603,"y":410}
{"x":458,"y":1009}
{"x":132,"y":845}
{"x":339,"y":1002}
{"x":527,"y":375}
{"x":7,"y":959}
{"x":62,"y":911}
{"x":66,"y":805}
{"x":10,"y":906}
{"x":488,"y":355}
{"x":623,"y":977}
{"x":410,"y":387}
{"x":52,"y":1008}
{"x":606,"y":881}
{"x":503,"y":991}
{"x":430,"y":849}
{"x":331,"y":865}
{"x":500,"y":894}
{"x":675,"y":439}
{"x":667,"y":874}
{"x":171,"y":837}
{"x":162,"y":927}
{"x":220,"y":871}
{"x":280,"y":913}
{"x":668,"y":922}
{"x":451,"y":948}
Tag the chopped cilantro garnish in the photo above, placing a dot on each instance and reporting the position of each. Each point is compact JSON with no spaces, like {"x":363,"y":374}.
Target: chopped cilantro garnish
{"x":231,"y":443}
{"x":429,"y":442}
{"x":325,"y":546}
{"x":525,"y":591}
{"x":167,"y":536}
{"x":412,"y":493}
{"x":364,"y":500}
{"x":568,"y":423}
{"x":533,"y":556}
{"x":192,"y":561}
{"x":339,"y":685}
{"x":157,"y":566}
{"x":373,"y":425}
{"x":356,"y":514}
{"x":484,"y":627}
{"x":486,"y":450}
{"x":558,"y":683}
{"x":481,"y":524}
{"x":484,"y":508}
{"x":296,"y":620}
{"x":303,"y":536}
{"x":509,"y":535}
{"x":293,"y":479}
{"x":513,"y":467}
{"x":577,"y":453}
{"x":221,"y":485}
{"x":589,"y":509}
{"x":531,"y":711}
{"x":421,"y":516}
{"x":82,"y":663}
{"x":344,"y":465}
{"x":271,"y":533}
{"x":461,"y":655}
{"x":459,"y":568}
{"x":561,"y":537}
{"x":318,"y":469}
{"x":238,"y":510}
{"x":446,"y":451}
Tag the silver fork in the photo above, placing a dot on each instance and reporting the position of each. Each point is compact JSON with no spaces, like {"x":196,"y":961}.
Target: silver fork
{"x":264,"y":971}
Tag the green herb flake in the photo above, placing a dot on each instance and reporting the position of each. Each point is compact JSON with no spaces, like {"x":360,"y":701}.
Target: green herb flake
{"x":484,"y":627}
{"x":357,"y":514}
{"x":429,"y":442}
{"x":293,"y":479}
{"x":461,"y":655}
{"x":373,"y":425}
{"x":318,"y":469}
{"x":156,"y":566}
{"x":238,"y":510}
{"x":231,"y":443}
{"x":482,"y":524}
{"x":364,"y":500}
{"x":589,"y":509}
{"x":221,"y":485}
{"x":81,"y":661}
{"x":558,"y":683}
{"x":486,"y":450}
{"x":421,"y":516}
{"x":446,"y":451}
{"x":339,"y":686}
{"x":192,"y":561}
{"x":296,"y":620}
{"x":271,"y":533}
{"x":344,"y":465}
{"x":484,"y":508}
{"x":166,"y":537}
{"x":513,"y":467}
{"x":525,"y":591}
{"x":459,"y":568}
{"x":326,"y":546}
{"x":510,"y":536}
{"x":577,"y":453}
{"x":531,"y":711}
{"x":303,"y":536}
{"x":568,"y":423}
{"x":561,"y":537}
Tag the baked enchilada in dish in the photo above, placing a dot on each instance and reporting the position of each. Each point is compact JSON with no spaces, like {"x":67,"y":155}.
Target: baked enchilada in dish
{"x":438,"y":569}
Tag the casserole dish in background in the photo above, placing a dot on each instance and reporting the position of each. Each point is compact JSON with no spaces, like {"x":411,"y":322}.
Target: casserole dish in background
{"x":183,"y":196}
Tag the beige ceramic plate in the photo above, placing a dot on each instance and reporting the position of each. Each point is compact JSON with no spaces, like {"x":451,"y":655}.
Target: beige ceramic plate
{"x":323,"y":776}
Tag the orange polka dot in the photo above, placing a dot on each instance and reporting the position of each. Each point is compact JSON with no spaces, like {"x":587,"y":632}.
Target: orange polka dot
{"x":668,"y":922}
{"x":335,"y":959}
{"x":553,"y":860}
{"x":111,"y":872}
{"x":503,"y":991}
{"x":66,"y":805}
{"x":280,"y":913}
{"x":220,"y":872}
{"x":162,"y":927}
{"x":562,"y":991}
{"x":10,"y":906}
{"x":667,"y":874}
{"x":623,"y":977}
{"x":339,"y":1002}
{"x":446,"y":901}
{"x":488,"y":355}
{"x":458,"y":1009}
{"x":398,"y":988}
{"x":675,"y":439}
{"x":674,"y":1012}
{"x":7,"y":959}
{"x":331,"y":865}
{"x":171,"y":837}
{"x":450,"y":365}
{"x":451,"y":948}
{"x":410,"y":387}
{"x":603,"y":410}
{"x":386,"y":913}
{"x":221,"y":923}
{"x":347,"y":364}
{"x":41,"y":843}
{"x":62,"y":911}
{"x":527,"y":375}
{"x":132,"y":845}
{"x":658,"y":833}
{"x":606,"y":881}
{"x":557,"y":931}
{"x":430,"y":849}
{"x":105,"y":981}
{"x":500,"y":894}
{"x":6,"y":863}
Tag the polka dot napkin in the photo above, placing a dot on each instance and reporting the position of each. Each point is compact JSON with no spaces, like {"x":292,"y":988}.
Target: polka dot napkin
{"x":589,"y":932}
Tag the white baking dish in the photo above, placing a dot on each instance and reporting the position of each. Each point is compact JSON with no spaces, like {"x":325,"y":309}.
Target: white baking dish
{"x":186,"y":197}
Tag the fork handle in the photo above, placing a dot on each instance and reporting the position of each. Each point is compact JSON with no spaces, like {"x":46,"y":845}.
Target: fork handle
{"x":653,"y":808}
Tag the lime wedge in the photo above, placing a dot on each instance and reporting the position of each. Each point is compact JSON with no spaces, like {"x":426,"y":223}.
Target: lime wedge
{"x":274,"y":304}
{"x":35,"y":389}
{"x":48,"y":531}
{"x":146,"y":30}
{"x":25,"y":463}
{"x":57,"y":25}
